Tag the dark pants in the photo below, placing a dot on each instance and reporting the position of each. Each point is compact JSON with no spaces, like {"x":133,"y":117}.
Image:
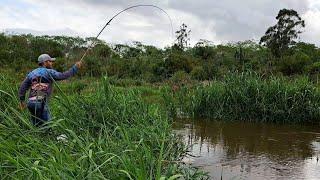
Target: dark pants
{"x":39,"y":112}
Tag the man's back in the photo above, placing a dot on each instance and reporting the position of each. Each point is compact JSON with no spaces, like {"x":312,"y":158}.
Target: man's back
{"x":40,"y":80}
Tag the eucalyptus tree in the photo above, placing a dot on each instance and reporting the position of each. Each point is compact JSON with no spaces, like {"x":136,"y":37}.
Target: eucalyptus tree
{"x":280,"y":37}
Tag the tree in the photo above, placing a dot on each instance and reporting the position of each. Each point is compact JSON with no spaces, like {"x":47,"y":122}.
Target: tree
{"x":281,"y":36}
{"x":294,"y":64}
{"x":309,"y":49}
{"x":183,"y":37}
{"x":204,"y":49}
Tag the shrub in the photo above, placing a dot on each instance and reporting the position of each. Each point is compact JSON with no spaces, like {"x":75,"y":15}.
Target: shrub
{"x":294,"y":64}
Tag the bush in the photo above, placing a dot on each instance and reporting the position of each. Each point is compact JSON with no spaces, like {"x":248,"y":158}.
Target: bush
{"x":178,"y":62}
{"x":294,"y":64}
{"x":181,"y":78}
{"x":314,"y":68}
{"x":198,"y":73}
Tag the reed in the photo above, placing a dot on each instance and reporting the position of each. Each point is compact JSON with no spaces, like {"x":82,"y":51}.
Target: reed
{"x":250,"y":97}
{"x":110,"y":135}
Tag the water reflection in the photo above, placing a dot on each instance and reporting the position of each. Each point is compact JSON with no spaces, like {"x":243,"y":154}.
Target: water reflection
{"x":252,"y":151}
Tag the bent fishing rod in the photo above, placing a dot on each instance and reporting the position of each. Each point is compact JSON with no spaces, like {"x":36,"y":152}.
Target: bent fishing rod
{"x":108,"y":23}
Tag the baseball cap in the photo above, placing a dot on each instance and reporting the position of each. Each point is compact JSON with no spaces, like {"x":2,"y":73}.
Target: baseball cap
{"x":45,"y":57}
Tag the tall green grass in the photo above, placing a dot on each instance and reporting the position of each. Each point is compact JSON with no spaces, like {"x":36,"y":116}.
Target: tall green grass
{"x":249,"y":97}
{"x":111,"y":135}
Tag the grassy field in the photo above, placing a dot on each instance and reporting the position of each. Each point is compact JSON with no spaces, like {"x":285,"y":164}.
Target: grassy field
{"x":107,"y":132}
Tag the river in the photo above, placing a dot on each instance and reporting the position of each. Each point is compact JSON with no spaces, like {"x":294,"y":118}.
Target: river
{"x":239,"y":150}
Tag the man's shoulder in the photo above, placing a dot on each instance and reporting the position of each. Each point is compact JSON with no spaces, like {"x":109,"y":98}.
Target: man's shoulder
{"x":51,"y":71}
{"x":36,"y":70}
{"x":40,"y":71}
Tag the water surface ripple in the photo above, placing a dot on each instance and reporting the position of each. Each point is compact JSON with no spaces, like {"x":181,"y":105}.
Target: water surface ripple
{"x":236,"y":150}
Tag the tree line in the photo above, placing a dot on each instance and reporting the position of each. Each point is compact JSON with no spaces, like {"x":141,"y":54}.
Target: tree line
{"x":277,"y":53}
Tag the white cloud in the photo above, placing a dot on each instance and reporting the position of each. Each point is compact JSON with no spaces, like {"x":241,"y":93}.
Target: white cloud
{"x":312,"y":32}
{"x":215,"y":20}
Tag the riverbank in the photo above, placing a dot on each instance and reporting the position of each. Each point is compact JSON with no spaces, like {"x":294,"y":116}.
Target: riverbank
{"x":121,"y":128}
{"x":105,"y":134}
{"x":250,"y":97}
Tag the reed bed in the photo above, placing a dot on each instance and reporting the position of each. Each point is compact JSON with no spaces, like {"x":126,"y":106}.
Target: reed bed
{"x":250,"y":97}
{"x":106,"y":135}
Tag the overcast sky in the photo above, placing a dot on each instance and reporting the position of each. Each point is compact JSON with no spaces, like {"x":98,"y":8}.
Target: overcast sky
{"x":214,"y":20}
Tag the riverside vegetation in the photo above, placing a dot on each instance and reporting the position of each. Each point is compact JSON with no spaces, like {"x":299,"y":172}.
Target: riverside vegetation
{"x":107,"y":134}
{"x":249,"y":97}
{"x":118,"y":132}
{"x":119,"y":126}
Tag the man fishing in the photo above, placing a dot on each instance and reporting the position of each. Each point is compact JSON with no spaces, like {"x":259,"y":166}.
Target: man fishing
{"x":40,"y":81}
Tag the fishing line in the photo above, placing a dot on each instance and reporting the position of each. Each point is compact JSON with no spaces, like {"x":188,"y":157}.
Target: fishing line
{"x":108,"y":23}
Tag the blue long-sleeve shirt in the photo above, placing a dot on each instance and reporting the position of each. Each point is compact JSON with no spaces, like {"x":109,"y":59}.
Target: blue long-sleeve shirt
{"x":40,"y":81}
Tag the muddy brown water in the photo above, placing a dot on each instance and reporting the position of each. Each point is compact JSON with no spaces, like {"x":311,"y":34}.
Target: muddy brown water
{"x":234,"y":150}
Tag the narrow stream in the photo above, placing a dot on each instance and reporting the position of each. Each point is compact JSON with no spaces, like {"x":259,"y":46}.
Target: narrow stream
{"x":234,"y":150}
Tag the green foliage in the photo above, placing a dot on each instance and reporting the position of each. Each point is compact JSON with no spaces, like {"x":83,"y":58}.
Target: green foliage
{"x":181,"y":78}
{"x":249,"y":97}
{"x":280,"y":36}
{"x":110,"y":135}
{"x":126,"y":51}
{"x":309,"y":49}
{"x":126,"y":82}
{"x":314,"y":68}
{"x":103,"y":51}
{"x":204,"y":50}
{"x":198,"y":73}
{"x":178,"y":62}
{"x":96,"y":62}
{"x":45,"y":45}
{"x":93,"y":66}
{"x":204,"y":61}
{"x":173,"y":63}
{"x":60,"y":64}
{"x":294,"y":64}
